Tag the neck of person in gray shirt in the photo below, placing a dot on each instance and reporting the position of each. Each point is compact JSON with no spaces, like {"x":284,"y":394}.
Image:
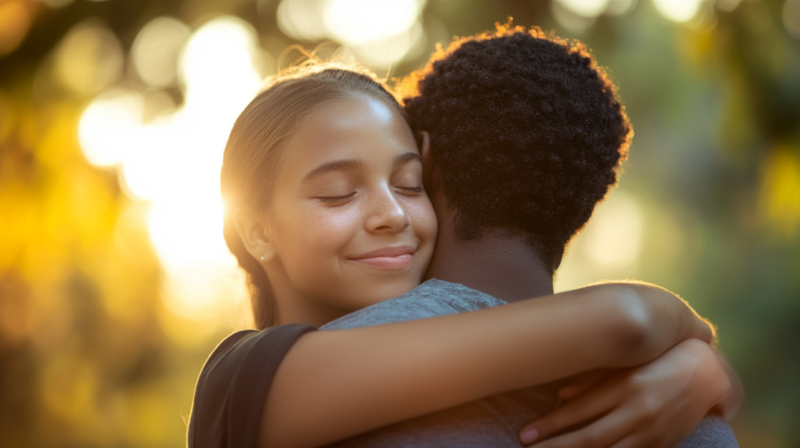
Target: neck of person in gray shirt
{"x":501,"y":265}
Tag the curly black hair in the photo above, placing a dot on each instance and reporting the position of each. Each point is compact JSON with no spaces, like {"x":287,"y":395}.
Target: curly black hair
{"x":526,"y":131}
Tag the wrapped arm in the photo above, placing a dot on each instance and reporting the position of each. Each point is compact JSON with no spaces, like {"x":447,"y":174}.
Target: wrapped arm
{"x":336,"y":384}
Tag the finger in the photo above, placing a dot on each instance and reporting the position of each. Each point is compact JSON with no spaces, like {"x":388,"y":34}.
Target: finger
{"x":604,"y":432}
{"x":584,"y":382}
{"x":588,"y":406}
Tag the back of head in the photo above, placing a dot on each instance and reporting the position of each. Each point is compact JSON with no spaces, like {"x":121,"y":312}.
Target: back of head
{"x":255,"y":148}
{"x":525,"y":131}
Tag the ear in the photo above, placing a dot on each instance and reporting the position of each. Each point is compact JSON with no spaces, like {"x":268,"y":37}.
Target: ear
{"x":253,"y":232}
{"x":428,"y":165}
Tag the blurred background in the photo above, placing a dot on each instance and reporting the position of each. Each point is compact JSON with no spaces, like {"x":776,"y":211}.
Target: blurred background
{"x":115,"y":283}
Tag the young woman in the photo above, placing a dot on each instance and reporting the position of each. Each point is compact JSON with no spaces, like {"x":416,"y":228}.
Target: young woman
{"x":327,"y":213}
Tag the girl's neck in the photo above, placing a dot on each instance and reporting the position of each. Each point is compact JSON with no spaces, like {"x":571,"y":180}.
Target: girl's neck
{"x":293,"y":307}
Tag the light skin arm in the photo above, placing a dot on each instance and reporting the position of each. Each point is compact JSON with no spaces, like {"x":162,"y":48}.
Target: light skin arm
{"x":342,"y":383}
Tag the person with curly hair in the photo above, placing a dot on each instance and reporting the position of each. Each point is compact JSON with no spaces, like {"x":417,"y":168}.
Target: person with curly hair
{"x":522,"y":135}
{"x":327,"y":210}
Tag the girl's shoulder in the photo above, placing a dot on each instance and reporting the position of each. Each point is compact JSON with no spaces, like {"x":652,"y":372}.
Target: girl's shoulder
{"x":233,"y":385}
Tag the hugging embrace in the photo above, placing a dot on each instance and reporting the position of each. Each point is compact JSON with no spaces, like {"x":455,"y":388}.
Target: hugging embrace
{"x":401,"y":257}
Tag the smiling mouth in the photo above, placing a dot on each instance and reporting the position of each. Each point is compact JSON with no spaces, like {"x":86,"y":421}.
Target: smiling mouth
{"x":398,"y":257}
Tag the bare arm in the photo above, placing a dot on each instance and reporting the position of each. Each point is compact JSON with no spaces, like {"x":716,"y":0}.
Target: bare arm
{"x":342,"y":383}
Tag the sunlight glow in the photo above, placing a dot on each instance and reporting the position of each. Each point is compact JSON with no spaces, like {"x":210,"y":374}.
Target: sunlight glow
{"x":107,"y":126}
{"x":173,"y":162}
{"x":678,"y":10}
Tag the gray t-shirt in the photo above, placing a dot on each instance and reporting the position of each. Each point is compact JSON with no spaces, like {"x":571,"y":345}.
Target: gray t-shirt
{"x":491,"y":422}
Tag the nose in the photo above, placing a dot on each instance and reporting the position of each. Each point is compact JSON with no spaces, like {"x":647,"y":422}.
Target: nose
{"x":386,"y":213}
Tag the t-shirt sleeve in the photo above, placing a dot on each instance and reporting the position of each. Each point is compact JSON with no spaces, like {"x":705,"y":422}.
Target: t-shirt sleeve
{"x":233,"y":386}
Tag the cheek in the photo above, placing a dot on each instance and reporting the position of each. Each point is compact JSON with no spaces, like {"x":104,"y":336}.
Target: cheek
{"x":424,"y":220}
{"x":315,"y":236}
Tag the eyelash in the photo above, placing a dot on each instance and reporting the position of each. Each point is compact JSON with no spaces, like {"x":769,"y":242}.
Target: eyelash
{"x":412,"y":189}
{"x":334,"y":199}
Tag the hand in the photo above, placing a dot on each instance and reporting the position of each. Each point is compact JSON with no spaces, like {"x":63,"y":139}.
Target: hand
{"x":730,"y":405}
{"x":654,"y":405}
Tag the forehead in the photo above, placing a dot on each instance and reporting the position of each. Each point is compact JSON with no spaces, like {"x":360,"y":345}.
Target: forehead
{"x":357,"y":126}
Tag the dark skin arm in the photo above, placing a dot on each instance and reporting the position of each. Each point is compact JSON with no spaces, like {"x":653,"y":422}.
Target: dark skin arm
{"x":346,"y":382}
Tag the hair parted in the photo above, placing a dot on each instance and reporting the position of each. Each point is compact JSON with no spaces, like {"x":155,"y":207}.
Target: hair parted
{"x":534,"y":115}
{"x":254,"y":148}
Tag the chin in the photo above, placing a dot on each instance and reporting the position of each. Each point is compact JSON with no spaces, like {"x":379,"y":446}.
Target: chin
{"x":383,"y":290}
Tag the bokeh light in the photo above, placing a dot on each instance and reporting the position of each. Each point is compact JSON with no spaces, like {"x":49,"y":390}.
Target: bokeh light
{"x":302,"y":19}
{"x":585,"y":8}
{"x":570,"y":20}
{"x":791,"y":17}
{"x":678,"y":10}
{"x":156,"y":49}
{"x":109,"y":126}
{"x":578,"y":15}
{"x":89,"y":58}
{"x":384,"y":52}
{"x":378,"y":33}
{"x":359,"y":21}
{"x":15,"y":19}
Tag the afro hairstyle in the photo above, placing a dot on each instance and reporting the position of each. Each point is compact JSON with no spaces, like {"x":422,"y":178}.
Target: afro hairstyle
{"x":526,"y":132}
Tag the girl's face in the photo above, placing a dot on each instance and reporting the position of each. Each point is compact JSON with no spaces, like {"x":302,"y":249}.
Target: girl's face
{"x":348,"y":221}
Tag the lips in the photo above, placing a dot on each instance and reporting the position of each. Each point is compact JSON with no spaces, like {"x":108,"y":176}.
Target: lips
{"x":395,"y":257}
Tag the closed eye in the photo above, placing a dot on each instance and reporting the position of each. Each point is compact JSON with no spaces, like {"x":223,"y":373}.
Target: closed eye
{"x":415,"y":190}
{"x":335,"y":199}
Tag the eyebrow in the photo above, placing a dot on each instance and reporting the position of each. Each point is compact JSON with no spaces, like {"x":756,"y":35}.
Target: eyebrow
{"x":336,"y":165}
{"x":406,"y":157}
{"x":349,"y":164}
